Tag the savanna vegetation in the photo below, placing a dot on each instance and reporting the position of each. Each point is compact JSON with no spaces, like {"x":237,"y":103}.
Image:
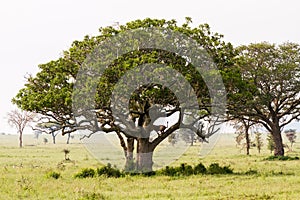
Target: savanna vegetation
{"x":260,"y":84}
{"x":40,"y":171}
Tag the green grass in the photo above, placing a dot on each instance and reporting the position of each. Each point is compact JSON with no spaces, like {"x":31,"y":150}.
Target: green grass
{"x":24,"y":174}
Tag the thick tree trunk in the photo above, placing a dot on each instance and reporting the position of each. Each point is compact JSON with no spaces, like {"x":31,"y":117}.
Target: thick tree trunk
{"x":144,"y":161}
{"x":276,"y":133}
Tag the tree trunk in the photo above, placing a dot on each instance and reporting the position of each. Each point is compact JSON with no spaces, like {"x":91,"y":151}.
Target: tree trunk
{"x":144,"y":161}
{"x":68,"y":139}
{"x":53,"y":138}
{"x":247,"y":139}
{"x":129,"y":165}
{"x":192,"y":137}
{"x":276,"y":133}
{"x":20,"y":139}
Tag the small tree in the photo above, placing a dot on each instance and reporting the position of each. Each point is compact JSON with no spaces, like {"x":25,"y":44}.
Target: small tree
{"x":45,"y":140}
{"x":271,"y":143}
{"x":291,"y":136}
{"x":19,"y":120}
{"x":66,"y":151}
{"x":258,"y":141}
{"x":243,"y":127}
{"x":37,"y":133}
{"x":48,"y":128}
{"x":172,"y":139}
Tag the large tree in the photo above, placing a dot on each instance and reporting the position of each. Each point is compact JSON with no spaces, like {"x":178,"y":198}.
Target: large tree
{"x":271,"y":95}
{"x":50,"y":91}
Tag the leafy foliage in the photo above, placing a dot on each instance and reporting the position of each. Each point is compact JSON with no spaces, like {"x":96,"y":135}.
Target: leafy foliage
{"x":109,"y":171}
{"x":215,"y":168}
{"x":53,"y":174}
{"x":283,"y":158}
{"x":187,"y":170}
{"x":86,"y":173}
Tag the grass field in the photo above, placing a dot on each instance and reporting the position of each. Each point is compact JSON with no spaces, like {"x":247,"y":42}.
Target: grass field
{"x":23,"y":174}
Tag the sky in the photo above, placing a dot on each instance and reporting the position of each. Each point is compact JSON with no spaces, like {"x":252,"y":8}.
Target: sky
{"x":35,"y":32}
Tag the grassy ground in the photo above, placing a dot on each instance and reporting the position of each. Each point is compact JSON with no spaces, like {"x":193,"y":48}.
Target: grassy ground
{"x":23,"y":174}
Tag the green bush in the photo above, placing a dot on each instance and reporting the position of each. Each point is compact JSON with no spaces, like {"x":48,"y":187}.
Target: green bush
{"x":186,"y":170}
{"x":283,"y":158}
{"x":168,"y":171}
{"x":86,"y":173}
{"x":200,"y":169}
{"x":215,"y":168}
{"x":109,"y":171}
{"x":183,"y":170}
{"x":251,"y":172}
{"x":53,"y":174}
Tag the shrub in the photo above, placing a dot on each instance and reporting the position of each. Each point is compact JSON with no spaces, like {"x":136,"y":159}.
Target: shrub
{"x":283,"y":158}
{"x":109,"y":171}
{"x":200,"y":169}
{"x":168,"y":171}
{"x":215,"y":168}
{"x":251,"y":172}
{"x":183,"y":170}
{"x":86,"y":173}
{"x":53,"y":174}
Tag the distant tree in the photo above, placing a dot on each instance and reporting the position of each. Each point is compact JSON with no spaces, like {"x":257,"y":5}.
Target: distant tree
{"x":19,"y":120}
{"x":37,"y":133}
{"x":69,"y":135}
{"x":45,"y":140}
{"x":271,"y":144}
{"x":48,"y":128}
{"x":66,"y":151}
{"x":291,"y":136}
{"x":242,"y":127}
{"x":172,"y":139}
{"x":258,"y":141}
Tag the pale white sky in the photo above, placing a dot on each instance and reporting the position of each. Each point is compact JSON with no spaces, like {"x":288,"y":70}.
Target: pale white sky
{"x":35,"y":31}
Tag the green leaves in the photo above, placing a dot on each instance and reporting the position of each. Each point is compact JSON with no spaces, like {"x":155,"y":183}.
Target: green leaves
{"x":50,"y":91}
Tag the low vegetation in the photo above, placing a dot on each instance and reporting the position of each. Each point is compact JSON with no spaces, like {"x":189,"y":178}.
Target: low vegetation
{"x":40,"y":171}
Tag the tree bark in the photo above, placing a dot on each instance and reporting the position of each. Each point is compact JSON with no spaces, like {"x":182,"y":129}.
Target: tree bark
{"x":53,"y":138}
{"x":247,"y":139}
{"x":144,"y":161}
{"x":68,"y":139}
{"x":192,"y":137}
{"x":20,"y":139}
{"x":276,"y":133}
{"x":129,"y":165}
